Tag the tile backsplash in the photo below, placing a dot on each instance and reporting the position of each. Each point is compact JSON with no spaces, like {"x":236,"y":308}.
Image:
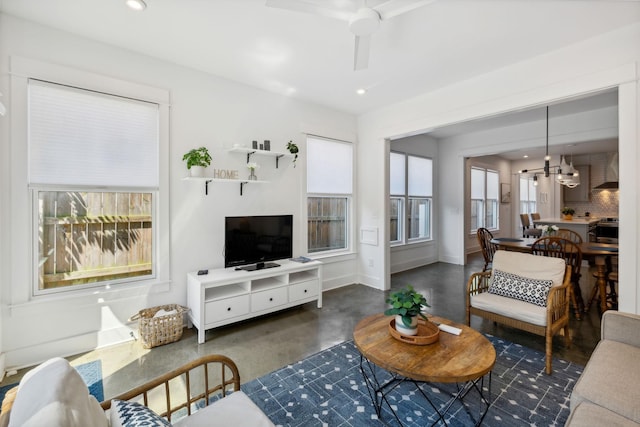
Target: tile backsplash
{"x":604,"y":203}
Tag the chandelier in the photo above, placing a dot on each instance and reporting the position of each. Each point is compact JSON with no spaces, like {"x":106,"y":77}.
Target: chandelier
{"x":570,"y":178}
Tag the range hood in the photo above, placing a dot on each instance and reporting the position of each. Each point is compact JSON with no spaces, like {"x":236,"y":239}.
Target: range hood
{"x":610,"y":173}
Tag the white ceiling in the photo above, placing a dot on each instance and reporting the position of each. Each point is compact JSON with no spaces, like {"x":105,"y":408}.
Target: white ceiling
{"x":311,"y":57}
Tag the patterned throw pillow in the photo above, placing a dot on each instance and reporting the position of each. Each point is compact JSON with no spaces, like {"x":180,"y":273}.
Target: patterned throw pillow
{"x":510,"y":285}
{"x":133,"y":414}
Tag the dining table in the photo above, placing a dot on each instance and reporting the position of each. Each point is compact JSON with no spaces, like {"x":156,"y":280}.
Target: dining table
{"x":594,"y":252}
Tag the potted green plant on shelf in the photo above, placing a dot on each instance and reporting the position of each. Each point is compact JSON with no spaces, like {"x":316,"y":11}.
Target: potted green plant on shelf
{"x":293,"y":149}
{"x":197,"y":159}
{"x":406,"y":305}
{"x":567,"y":213}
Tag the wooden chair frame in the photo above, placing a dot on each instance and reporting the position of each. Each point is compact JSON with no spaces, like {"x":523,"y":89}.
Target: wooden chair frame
{"x":488,"y":249}
{"x":229,"y":375}
{"x":557,"y":311}
{"x":562,"y":247}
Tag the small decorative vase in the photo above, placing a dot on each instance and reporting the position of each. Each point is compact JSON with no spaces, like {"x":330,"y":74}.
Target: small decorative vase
{"x":252,"y":176}
{"x":196,"y":171}
{"x":567,"y":217}
{"x":400,"y":327}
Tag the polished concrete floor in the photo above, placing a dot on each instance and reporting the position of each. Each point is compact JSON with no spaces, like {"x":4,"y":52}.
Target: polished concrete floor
{"x":261,"y":345}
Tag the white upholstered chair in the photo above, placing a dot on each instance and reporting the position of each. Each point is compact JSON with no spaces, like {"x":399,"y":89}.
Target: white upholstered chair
{"x":526,"y":292}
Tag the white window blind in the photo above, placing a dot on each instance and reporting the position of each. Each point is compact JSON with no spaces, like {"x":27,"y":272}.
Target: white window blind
{"x":80,"y":137}
{"x":492,"y":185}
{"x":477,"y":183}
{"x":397,"y":173}
{"x":420,"y":176}
{"x":329,"y":167}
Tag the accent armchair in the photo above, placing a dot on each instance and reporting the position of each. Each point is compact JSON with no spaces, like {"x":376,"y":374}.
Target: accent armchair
{"x":526,"y":292}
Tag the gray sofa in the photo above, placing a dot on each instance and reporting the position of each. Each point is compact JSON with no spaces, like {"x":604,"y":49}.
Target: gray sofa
{"x":608,"y":391}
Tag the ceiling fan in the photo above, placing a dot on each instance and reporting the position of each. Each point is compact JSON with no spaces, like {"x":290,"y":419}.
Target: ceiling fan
{"x":364,"y":17}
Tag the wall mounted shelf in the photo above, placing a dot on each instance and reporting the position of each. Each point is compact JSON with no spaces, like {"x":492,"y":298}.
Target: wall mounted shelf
{"x":251,"y":151}
{"x":207,"y":180}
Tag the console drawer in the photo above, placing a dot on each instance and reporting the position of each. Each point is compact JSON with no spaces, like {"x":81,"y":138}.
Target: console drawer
{"x":228,"y":308}
{"x":265,"y":300}
{"x":303,"y":290}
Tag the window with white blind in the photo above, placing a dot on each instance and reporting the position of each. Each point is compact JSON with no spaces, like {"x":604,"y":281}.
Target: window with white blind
{"x":484,"y":199}
{"x":528,"y":201}
{"x":411,"y":198}
{"x":94,"y":176}
{"x":329,"y":193}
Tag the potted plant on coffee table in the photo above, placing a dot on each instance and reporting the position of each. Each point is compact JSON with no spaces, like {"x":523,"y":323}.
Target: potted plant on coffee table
{"x":406,"y":305}
{"x":197,"y":159}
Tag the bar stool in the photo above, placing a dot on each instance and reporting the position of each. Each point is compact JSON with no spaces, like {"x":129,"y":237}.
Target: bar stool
{"x":612,"y":283}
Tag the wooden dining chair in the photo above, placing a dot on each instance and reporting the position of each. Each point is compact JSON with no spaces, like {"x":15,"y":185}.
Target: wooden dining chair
{"x":488,"y":249}
{"x":535,"y":216}
{"x":527,"y":230}
{"x":569,"y":235}
{"x":558,"y":247}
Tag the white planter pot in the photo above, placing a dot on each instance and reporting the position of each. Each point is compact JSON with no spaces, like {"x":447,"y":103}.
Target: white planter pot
{"x":196,"y":171}
{"x":413,"y":330}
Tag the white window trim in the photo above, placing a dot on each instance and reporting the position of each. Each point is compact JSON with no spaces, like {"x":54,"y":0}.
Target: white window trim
{"x":405,"y":240}
{"x":472,"y":232}
{"x":528,"y":200}
{"x":21,"y":70}
{"x":351,"y":218}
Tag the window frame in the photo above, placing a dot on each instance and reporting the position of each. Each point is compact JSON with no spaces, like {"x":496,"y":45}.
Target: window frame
{"x":527,"y":200}
{"x":36,"y":189}
{"x":22,"y":71}
{"x":484,"y":202}
{"x":406,"y":198}
{"x":349,"y":208}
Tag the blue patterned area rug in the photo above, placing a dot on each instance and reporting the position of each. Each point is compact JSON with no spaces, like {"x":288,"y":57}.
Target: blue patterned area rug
{"x":90,"y":372}
{"x":327,"y":389}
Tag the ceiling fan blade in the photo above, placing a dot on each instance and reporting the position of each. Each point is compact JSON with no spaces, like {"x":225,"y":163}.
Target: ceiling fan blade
{"x":361,"y":56}
{"x":306,"y":7}
{"x":392,"y":8}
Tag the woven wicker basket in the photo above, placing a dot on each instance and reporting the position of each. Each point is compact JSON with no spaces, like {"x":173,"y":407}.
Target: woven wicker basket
{"x":155,"y":331}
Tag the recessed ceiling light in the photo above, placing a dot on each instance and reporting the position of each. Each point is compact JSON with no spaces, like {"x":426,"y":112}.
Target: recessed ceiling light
{"x":361,"y":91}
{"x":526,"y":156}
{"x":136,"y":4}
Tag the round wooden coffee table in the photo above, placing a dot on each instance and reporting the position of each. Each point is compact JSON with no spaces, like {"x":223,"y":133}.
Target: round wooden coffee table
{"x":464,"y":358}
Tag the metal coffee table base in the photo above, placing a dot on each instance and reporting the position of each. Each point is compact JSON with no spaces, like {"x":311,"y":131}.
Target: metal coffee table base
{"x":379,"y":390}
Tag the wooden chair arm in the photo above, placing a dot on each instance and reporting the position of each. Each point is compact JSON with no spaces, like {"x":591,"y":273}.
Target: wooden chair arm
{"x":558,"y":299}
{"x":204,"y":376}
{"x":478,"y":283}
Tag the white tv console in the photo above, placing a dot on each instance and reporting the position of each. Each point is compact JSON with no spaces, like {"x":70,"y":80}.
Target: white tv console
{"x":227,"y":295}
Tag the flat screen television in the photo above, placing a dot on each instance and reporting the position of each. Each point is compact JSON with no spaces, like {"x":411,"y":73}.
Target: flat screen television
{"x":252,"y":241}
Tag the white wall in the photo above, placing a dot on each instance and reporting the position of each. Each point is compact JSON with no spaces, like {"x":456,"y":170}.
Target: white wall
{"x":205,"y":111}
{"x":589,"y":66}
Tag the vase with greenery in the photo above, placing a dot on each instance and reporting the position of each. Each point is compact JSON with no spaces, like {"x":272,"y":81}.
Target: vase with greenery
{"x":293,"y":149}
{"x":407,"y":305}
{"x":548,"y":229}
{"x":568,"y":212}
{"x":197,"y":159}
{"x":252,"y":166}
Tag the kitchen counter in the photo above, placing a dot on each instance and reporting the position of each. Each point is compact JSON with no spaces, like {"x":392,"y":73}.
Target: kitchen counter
{"x":582,"y":220}
{"x":582,"y":226}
